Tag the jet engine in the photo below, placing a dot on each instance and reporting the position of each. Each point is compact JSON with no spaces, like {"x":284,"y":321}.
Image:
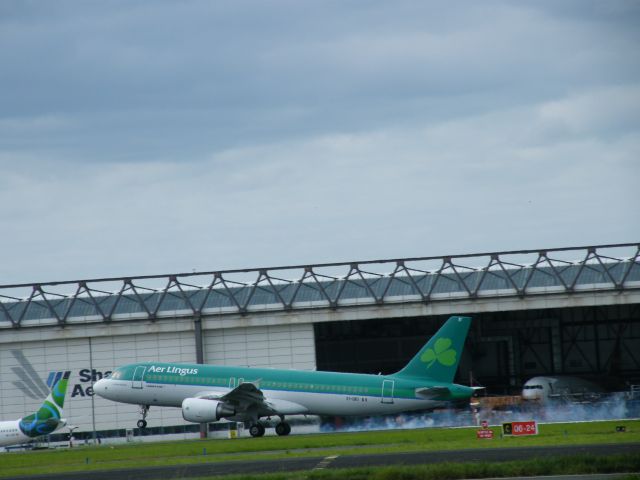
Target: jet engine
{"x":200,"y":410}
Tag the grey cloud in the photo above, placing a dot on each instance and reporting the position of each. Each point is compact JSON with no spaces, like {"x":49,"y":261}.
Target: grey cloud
{"x":143,"y":137}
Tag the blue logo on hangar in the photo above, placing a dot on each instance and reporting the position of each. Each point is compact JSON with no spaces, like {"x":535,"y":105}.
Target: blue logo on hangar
{"x":30,"y":383}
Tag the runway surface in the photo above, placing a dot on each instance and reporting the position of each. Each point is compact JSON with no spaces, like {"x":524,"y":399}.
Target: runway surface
{"x":348,"y":461}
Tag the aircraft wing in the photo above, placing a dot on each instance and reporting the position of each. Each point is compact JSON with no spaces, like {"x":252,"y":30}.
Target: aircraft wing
{"x":432,"y":393}
{"x":244,"y":395}
{"x":247,"y":396}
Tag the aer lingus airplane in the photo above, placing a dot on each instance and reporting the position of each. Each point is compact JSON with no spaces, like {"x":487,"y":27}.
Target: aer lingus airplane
{"x":208,"y":393}
{"x":46,"y":420}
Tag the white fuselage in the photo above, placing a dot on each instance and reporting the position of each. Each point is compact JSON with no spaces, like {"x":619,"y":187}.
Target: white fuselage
{"x":287,"y":402}
{"x":10,"y":433}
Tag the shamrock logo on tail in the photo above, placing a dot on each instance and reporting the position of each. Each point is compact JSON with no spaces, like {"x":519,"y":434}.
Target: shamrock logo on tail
{"x":442,"y":353}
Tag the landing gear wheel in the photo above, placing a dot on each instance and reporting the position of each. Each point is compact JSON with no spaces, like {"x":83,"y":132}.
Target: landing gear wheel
{"x":256,"y":430}
{"x":283,"y":428}
{"x":144,"y":410}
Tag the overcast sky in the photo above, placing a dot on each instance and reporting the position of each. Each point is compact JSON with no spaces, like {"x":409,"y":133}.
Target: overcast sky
{"x":144,"y":137}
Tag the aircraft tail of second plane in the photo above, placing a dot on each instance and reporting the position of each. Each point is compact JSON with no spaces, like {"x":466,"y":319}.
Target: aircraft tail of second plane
{"x":49,"y":415}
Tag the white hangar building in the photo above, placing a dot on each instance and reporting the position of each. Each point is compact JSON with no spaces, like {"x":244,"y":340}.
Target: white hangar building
{"x":555,"y":311}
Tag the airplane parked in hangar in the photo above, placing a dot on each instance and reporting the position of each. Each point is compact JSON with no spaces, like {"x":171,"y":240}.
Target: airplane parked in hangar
{"x":208,"y":393}
{"x":543,"y":389}
{"x":46,"y":420}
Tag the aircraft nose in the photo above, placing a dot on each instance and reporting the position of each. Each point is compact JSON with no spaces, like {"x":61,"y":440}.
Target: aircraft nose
{"x":101,"y":387}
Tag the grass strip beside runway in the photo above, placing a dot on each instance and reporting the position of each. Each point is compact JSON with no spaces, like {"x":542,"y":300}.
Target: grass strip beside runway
{"x":575,"y":465}
{"x":199,"y":451}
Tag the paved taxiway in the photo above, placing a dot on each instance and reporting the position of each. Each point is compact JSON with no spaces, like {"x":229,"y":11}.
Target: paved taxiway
{"x":347,"y":461}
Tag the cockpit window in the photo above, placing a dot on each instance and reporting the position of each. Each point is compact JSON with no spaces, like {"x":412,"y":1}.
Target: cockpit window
{"x":532,"y":387}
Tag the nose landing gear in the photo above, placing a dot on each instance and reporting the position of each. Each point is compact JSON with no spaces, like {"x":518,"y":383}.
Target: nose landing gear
{"x":144,"y":410}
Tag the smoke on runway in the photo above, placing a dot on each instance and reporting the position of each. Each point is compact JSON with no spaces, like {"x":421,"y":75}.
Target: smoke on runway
{"x":612,"y":407}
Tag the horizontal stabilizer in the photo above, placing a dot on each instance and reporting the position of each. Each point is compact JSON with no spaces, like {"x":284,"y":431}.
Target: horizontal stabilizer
{"x":432,"y":393}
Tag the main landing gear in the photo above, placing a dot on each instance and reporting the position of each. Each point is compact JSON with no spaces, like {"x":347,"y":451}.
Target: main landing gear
{"x":144,"y":410}
{"x":256,"y":430}
{"x":282,"y":428}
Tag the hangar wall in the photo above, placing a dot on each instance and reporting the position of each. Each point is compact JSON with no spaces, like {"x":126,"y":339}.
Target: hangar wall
{"x":276,"y":346}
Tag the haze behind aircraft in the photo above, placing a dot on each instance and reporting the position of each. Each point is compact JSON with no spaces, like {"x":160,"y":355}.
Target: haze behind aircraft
{"x":543,"y":389}
{"x":46,"y":420}
{"x":208,"y":393}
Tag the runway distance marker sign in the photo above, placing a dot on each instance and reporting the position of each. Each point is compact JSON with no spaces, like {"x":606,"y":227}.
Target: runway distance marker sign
{"x":520,"y":428}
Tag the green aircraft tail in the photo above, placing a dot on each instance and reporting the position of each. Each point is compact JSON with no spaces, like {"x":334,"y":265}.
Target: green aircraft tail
{"x":438,"y":359}
{"x":49,"y":415}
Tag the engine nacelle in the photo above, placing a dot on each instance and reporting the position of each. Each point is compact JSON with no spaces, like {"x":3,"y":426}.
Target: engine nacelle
{"x":200,"y":410}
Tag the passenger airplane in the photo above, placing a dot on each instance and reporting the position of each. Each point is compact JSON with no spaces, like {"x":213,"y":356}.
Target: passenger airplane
{"x":46,"y":420}
{"x":542,"y":389}
{"x":208,"y":393}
